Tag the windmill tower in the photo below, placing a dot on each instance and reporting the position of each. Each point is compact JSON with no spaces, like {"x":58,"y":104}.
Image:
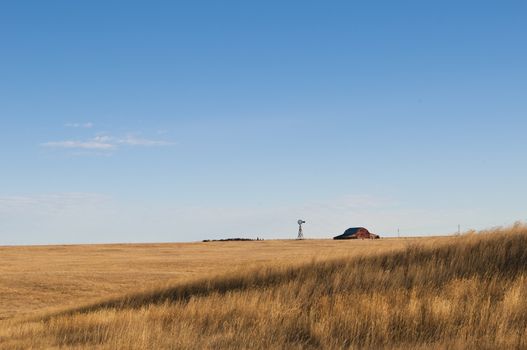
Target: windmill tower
{"x":300,"y":233}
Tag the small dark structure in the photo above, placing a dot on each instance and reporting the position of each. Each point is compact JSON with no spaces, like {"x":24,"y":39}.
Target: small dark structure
{"x":357,"y":233}
{"x":233,"y":239}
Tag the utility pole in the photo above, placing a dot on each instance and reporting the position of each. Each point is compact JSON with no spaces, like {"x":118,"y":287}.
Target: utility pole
{"x":458,"y":229}
{"x":398,"y":233}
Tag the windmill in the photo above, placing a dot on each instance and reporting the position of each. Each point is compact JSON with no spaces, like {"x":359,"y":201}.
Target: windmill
{"x":300,"y":233}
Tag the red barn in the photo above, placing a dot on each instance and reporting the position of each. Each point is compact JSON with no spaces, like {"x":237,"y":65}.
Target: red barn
{"x":357,"y":233}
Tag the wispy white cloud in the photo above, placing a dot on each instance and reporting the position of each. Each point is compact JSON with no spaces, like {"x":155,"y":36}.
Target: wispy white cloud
{"x":53,"y":217}
{"x":49,"y":202}
{"x":131,"y":140}
{"x":106,"y":143}
{"x":92,"y":144}
{"x":88,"y":125}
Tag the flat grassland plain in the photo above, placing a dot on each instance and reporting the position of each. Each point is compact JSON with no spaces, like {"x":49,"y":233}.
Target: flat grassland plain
{"x":43,"y":278}
{"x":451,"y":292}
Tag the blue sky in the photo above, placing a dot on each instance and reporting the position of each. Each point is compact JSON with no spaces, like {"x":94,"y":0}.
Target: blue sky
{"x":185,"y":120}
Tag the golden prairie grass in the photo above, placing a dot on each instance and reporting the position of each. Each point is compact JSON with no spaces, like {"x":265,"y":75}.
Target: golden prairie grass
{"x":463,"y":292}
{"x":37,"y":278}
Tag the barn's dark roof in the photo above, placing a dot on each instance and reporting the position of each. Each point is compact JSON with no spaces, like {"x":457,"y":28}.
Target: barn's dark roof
{"x":350,"y":232}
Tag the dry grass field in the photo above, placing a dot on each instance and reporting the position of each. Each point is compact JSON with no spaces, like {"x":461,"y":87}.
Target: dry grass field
{"x":454,"y":292}
{"x":43,"y":278}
